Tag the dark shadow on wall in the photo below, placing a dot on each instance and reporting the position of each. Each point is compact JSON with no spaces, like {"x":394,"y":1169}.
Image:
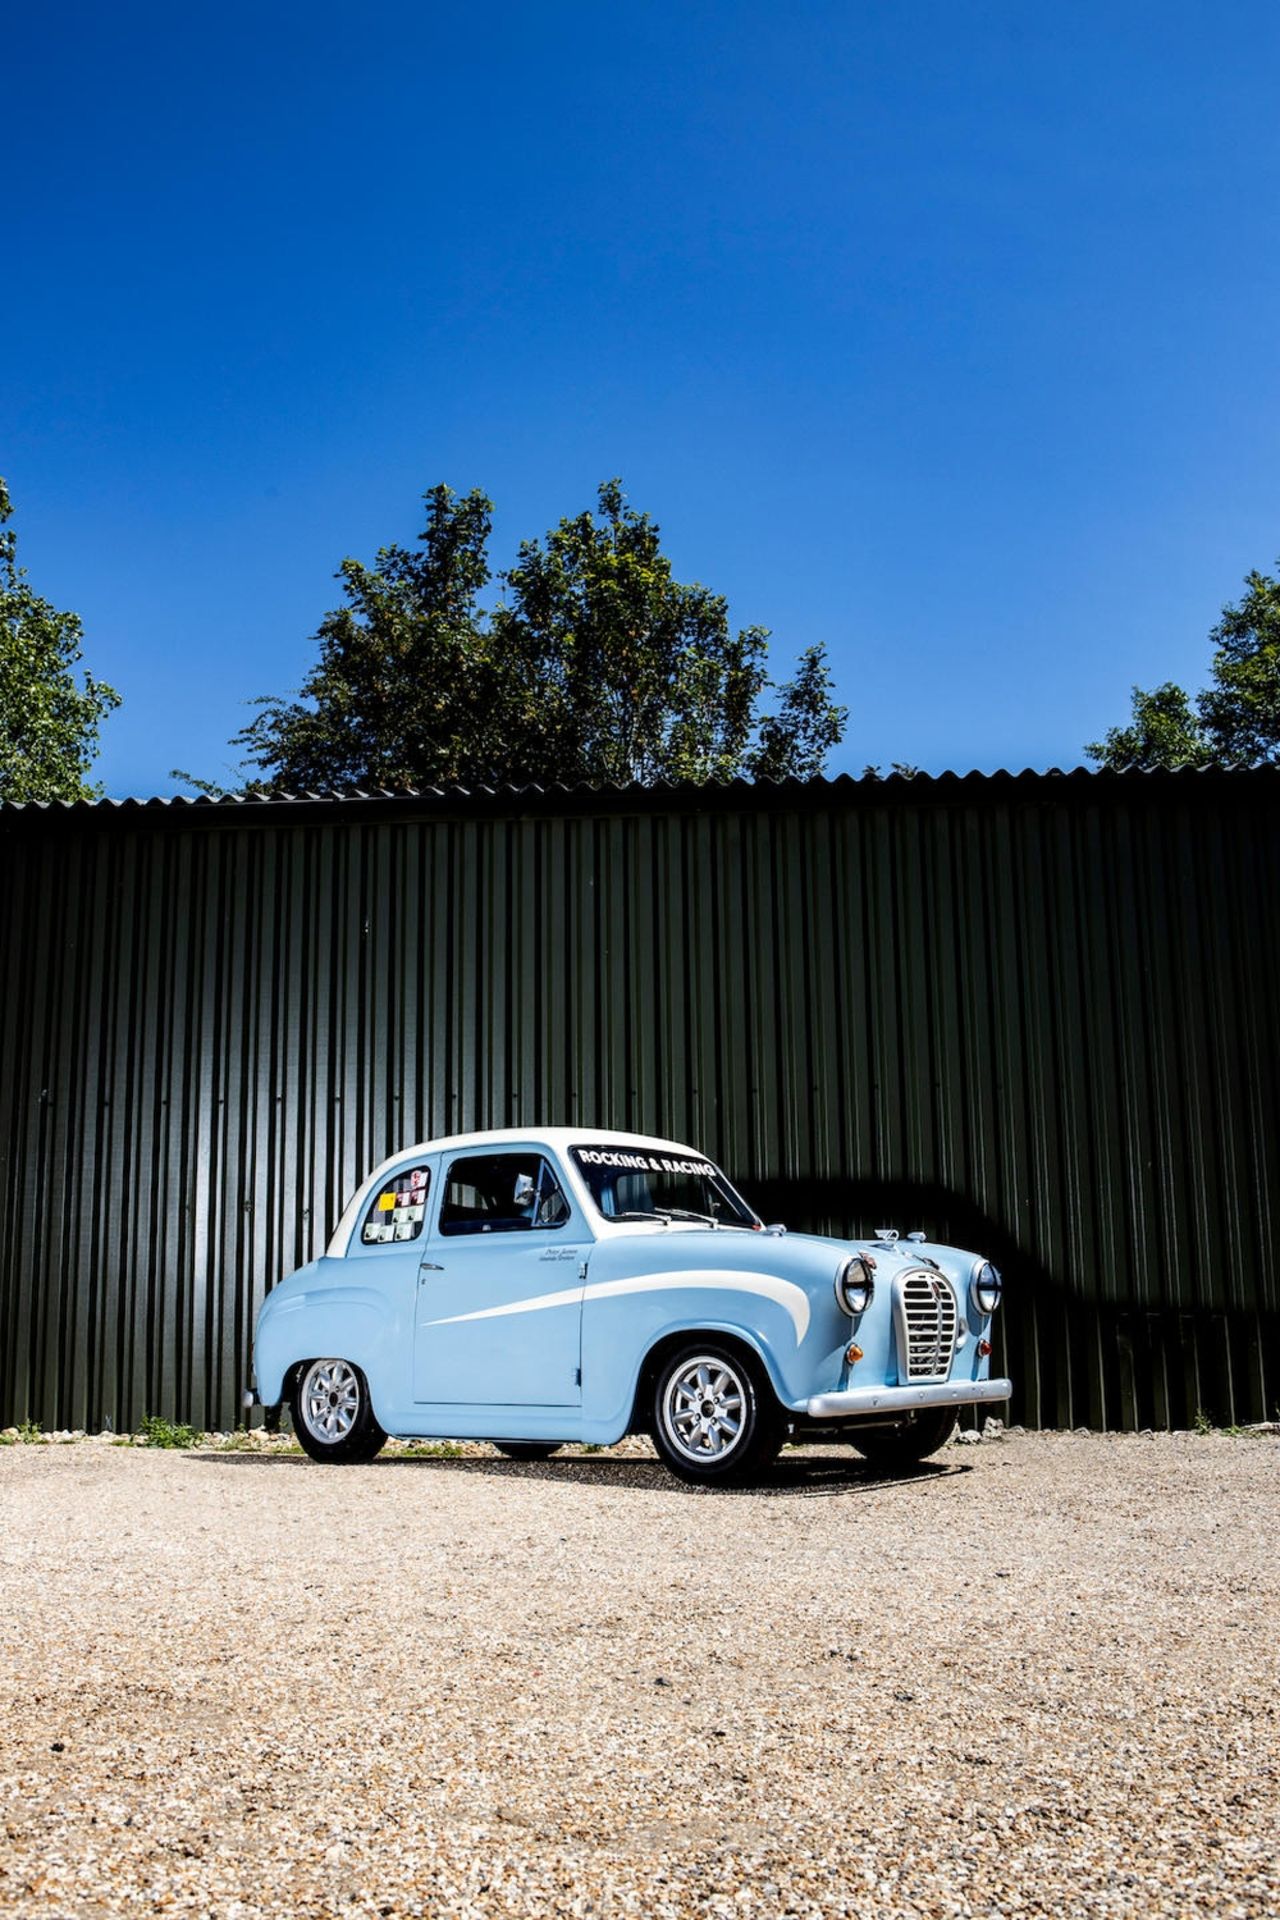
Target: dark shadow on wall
{"x":1075,"y":1360}
{"x":852,"y":1208}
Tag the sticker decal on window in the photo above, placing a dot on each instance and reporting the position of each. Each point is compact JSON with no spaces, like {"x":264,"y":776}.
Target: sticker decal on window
{"x":399,"y":1210}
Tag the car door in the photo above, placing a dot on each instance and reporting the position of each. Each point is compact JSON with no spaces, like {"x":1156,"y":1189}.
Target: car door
{"x":499,"y":1299}
{"x":383,"y":1260}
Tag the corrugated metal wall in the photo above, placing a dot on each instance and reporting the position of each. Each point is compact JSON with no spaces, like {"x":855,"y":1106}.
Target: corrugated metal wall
{"x":1037,"y":1016}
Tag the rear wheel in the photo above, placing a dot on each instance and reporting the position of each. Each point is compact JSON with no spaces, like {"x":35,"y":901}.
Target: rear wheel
{"x":715,"y":1420}
{"x":906,"y":1446}
{"x":528,"y":1449}
{"x":333,"y":1414}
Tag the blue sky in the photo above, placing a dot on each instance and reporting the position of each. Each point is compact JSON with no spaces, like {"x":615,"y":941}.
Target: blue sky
{"x":947,"y":334}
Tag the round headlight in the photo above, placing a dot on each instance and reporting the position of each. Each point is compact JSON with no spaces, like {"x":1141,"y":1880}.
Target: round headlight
{"x":986,"y":1287}
{"x":855,"y":1284}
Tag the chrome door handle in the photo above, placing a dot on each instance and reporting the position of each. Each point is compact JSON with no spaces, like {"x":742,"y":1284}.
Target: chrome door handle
{"x":428,"y":1266}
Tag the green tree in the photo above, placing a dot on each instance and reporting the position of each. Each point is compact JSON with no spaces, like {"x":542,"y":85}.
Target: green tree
{"x":595,"y":665}
{"x":793,"y":742}
{"x":1240,"y":712}
{"x":630,"y":675}
{"x":1235,"y":720}
{"x":48,"y":724}
{"x":1164,"y":732}
{"x":406,"y":690}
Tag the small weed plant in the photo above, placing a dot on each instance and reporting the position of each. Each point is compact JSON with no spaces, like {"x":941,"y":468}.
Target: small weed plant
{"x":1202,"y":1424}
{"x":156,"y":1431}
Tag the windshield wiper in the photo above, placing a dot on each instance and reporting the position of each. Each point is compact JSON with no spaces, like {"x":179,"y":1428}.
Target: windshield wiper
{"x":663,"y":1213}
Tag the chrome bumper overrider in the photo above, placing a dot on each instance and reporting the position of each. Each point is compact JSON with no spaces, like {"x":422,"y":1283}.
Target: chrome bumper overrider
{"x":942,"y":1393}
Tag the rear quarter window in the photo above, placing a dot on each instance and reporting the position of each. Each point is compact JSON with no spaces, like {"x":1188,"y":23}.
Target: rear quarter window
{"x":398,"y":1209}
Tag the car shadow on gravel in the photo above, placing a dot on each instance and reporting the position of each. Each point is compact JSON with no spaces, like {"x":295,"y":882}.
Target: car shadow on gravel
{"x":808,"y":1478}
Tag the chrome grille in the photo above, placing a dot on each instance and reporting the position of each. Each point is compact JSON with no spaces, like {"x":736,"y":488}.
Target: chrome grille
{"x":926,"y":1326}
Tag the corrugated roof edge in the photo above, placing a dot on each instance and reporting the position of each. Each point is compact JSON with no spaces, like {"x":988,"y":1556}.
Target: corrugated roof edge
{"x":660,"y":795}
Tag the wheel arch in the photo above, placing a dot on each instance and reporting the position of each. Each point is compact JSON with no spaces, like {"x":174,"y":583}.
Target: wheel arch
{"x":291,"y":1378}
{"x":342,"y":1323}
{"x":672,"y":1339}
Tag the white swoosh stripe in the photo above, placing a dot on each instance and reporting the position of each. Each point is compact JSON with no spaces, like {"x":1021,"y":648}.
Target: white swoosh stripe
{"x":570,"y":1296}
{"x":793,"y":1298}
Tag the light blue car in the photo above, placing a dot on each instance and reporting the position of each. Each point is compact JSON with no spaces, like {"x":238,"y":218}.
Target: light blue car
{"x":543,"y":1285}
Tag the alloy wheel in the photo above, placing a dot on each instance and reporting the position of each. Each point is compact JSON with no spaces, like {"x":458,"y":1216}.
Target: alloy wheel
{"x":330,"y":1400}
{"x":703,"y":1408}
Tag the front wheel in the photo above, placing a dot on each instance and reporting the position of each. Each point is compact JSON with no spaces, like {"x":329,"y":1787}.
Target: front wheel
{"x":896,"y":1448}
{"x":715,"y":1420}
{"x":333,"y":1414}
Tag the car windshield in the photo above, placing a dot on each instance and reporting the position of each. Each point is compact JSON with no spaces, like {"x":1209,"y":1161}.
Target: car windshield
{"x":641,"y":1183}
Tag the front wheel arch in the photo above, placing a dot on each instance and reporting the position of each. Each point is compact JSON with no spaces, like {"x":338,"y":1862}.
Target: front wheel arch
{"x":715,"y":1418}
{"x":677,"y":1337}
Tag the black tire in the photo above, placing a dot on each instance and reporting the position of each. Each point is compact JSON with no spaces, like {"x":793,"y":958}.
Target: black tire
{"x":733,"y":1433}
{"x":528,"y":1449}
{"x":333,"y":1414}
{"x":895,"y":1448}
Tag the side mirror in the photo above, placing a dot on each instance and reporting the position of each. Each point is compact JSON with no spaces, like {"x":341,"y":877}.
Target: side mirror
{"x":526,"y":1187}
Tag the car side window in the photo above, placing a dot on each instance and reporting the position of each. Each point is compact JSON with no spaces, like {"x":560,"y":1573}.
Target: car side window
{"x":501,"y":1193}
{"x":399,"y":1208}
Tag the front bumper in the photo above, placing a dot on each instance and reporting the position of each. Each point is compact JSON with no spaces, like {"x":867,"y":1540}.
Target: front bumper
{"x":895,"y":1400}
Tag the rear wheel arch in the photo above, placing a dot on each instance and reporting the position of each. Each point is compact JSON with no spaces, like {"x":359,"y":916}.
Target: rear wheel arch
{"x":355,"y":1352}
{"x":333,"y":1415}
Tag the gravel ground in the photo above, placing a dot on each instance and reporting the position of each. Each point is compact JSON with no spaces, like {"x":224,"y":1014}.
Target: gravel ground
{"x":1037,"y":1677}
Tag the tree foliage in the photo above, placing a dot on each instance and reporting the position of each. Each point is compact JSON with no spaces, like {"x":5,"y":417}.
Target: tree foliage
{"x":1235,"y":720}
{"x":406,"y":689}
{"x":1240,"y":712}
{"x":48,"y":723}
{"x":1163,"y":732}
{"x":596,"y":664}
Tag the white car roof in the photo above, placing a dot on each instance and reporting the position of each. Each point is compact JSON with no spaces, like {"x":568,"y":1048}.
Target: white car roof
{"x":557,"y":1138}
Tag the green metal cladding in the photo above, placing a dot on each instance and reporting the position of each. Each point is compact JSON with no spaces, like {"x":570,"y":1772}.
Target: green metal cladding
{"x":1037,"y":1015}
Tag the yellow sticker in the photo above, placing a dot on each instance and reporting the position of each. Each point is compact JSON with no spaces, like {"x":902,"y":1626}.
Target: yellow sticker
{"x":385,"y":1202}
